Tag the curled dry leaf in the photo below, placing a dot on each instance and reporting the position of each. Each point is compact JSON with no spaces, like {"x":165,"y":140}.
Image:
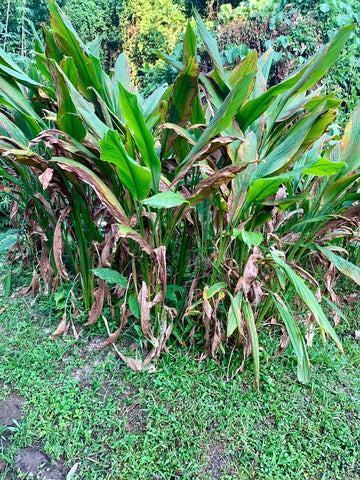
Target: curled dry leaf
{"x":209,"y":185}
{"x":207,"y":314}
{"x":75,"y":332}
{"x":211,"y":147}
{"x":97,"y":306}
{"x":284,"y":343}
{"x":160,"y":255}
{"x":58,"y":244}
{"x":108,"y":246}
{"x":114,"y":336}
{"x":248,"y":282}
{"x":105,"y":195}
{"x":24,"y":290}
{"x":216,"y":339}
{"x":310,"y":325}
{"x":45,"y":267}
{"x":143,"y":299}
{"x":35,"y":285}
{"x":46,"y":177}
{"x":61,"y":329}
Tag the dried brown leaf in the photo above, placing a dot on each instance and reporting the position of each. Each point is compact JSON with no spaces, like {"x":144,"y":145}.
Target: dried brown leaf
{"x":58,"y":244}
{"x":61,"y":329}
{"x":145,"y":313}
{"x":160,"y":255}
{"x":102,"y":191}
{"x":45,"y":267}
{"x":97,"y":306}
{"x":211,"y":147}
{"x":46,"y":177}
{"x":211,"y":184}
{"x":35,"y":285}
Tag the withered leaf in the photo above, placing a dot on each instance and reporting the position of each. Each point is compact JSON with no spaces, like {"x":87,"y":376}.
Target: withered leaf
{"x":209,"y":185}
{"x":35,"y":285}
{"x":46,"y":177}
{"x":97,"y":306}
{"x":58,"y":244}
{"x":211,"y":147}
{"x":145,"y":313}
{"x":61,"y":329}
{"x":160,"y":255}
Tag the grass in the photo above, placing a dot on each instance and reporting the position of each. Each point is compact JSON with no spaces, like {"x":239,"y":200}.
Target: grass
{"x":184,"y":421}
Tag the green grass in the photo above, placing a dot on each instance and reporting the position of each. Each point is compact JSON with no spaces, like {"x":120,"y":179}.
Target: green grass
{"x":184,"y":421}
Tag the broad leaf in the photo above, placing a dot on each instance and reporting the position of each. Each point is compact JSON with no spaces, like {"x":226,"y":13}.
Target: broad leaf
{"x":249,"y":238}
{"x":111,"y":276}
{"x":324,"y":167}
{"x":344,"y":266}
{"x":297,"y":341}
{"x":144,"y":140}
{"x":308,"y":298}
{"x":223,"y":117}
{"x":167,"y":199}
{"x":135,"y":177}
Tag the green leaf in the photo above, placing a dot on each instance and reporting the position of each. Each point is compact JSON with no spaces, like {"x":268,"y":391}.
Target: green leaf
{"x":265,"y":187}
{"x":167,"y":199}
{"x":189,"y":44}
{"x":347,"y":268}
{"x":308,"y":298}
{"x":134,"y":306}
{"x":67,"y":117}
{"x":181,"y":102}
{"x":211,"y":46}
{"x":282,"y":154}
{"x":249,"y":238}
{"x":246,"y":66}
{"x":7,"y":283}
{"x":300,"y":81}
{"x":223,"y":117}
{"x":348,"y":149}
{"x":144,"y":140}
{"x":72,"y":46}
{"x":338,"y":188}
{"x":8,"y":239}
{"x":135,"y":177}
{"x":233,"y":319}
{"x":297,"y":341}
{"x":111,"y":276}
{"x":122,"y":71}
{"x":214,"y":289}
{"x":324,"y":167}
{"x":84,"y":108}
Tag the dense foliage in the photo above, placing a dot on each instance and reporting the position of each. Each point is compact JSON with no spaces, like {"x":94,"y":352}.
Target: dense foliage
{"x":202,"y":211}
{"x":295,"y":30}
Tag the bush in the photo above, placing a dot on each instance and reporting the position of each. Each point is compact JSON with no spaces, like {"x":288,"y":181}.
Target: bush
{"x":194,"y":211}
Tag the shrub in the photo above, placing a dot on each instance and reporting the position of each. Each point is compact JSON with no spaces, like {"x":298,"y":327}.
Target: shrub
{"x":192,"y":212}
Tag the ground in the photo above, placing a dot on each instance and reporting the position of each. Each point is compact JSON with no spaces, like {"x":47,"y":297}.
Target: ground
{"x":70,"y":411}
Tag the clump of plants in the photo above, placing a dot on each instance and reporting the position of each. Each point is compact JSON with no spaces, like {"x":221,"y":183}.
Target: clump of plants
{"x":197,"y":212}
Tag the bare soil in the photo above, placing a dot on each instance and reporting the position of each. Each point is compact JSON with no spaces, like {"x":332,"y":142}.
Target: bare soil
{"x":30,"y":460}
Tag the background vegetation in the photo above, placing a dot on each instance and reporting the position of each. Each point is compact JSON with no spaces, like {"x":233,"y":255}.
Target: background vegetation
{"x":296,"y":30}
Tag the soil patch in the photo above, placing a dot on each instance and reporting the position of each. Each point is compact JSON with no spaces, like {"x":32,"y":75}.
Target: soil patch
{"x":10,"y":410}
{"x":36,"y":463}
